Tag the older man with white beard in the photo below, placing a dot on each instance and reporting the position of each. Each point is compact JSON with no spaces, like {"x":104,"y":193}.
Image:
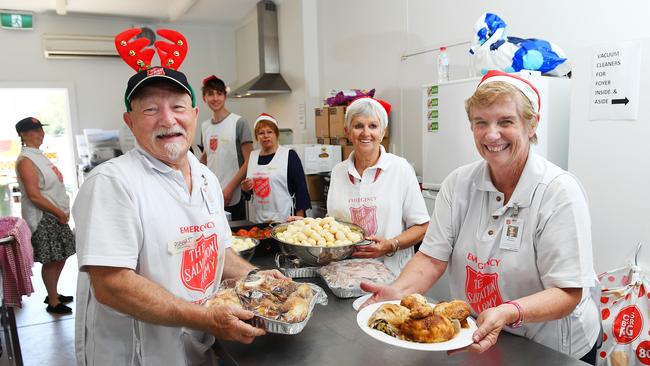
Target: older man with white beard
{"x":153,"y":241}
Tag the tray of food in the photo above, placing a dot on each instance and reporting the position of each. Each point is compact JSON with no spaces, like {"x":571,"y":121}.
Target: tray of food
{"x":280,"y":305}
{"x":414,"y":323}
{"x":320,"y":241}
{"x":291,"y":267}
{"x":244,"y":246}
{"x":344,"y":277}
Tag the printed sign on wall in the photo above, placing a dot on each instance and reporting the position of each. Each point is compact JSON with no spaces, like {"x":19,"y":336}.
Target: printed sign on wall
{"x":615,"y":81}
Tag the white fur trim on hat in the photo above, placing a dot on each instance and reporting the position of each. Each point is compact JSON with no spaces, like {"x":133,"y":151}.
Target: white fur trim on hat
{"x":380,"y":107}
{"x":523,"y":85}
{"x":265,"y":117}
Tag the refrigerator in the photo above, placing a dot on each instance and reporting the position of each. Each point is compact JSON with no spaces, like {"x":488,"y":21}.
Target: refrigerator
{"x":447,"y":141}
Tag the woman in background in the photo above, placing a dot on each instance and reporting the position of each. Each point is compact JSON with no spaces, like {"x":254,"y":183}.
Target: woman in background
{"x":46,"y":208}
{"x":377,"y":190}
{"x":275,"y":176}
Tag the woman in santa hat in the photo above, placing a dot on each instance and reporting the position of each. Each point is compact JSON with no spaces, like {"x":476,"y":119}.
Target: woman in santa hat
{"x":377,"y":190}
{"x":275,"y":176}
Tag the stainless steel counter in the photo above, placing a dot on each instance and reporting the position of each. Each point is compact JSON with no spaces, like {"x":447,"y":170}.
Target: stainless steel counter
{"x":332,"y":337}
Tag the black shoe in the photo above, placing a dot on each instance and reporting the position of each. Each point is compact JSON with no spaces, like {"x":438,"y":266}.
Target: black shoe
{"x":59,"y":309}
{"x":62,"y":298}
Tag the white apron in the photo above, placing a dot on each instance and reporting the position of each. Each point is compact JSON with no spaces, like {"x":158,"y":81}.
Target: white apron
{"x":193,"y":275}
{"x":220,"y":145}
{"x":485,"y":275}
{"x":373,"y":201}
{"x":271,"y":197}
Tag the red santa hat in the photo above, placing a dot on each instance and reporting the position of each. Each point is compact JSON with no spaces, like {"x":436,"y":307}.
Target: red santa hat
{"x":383,"y":106}
{"x":265,"y":117}
{"x":525,"y":86}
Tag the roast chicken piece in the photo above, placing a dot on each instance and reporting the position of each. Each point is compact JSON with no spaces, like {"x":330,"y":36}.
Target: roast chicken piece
{"x":226,"y":297}
{"x":277,"y":299}
{"x":418,"y":306}
{"x":388,"y":317}
{"x":455,"y":310}
{"x":431,"y":329}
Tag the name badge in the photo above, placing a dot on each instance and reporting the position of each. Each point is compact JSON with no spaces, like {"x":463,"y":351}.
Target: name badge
{"x":513,"y":229}
{"x":181,"y":244}
{"x":208,"y":197}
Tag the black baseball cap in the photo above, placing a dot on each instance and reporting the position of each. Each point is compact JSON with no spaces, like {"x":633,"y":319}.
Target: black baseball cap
{"x":28,"y":124}
{"x":147,"y":76}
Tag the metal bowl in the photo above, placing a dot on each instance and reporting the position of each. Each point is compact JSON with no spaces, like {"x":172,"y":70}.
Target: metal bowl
{"x":317,"y":256}
{"x":248,"y":253}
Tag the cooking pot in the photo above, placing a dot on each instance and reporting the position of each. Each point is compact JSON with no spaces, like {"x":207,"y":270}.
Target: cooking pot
{"x":315,"y":255}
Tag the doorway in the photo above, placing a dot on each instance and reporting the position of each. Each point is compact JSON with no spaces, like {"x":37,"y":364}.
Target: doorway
{"x":50,"y":105}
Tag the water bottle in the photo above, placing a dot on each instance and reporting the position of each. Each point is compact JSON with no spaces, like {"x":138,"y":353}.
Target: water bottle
{"x":443,"y":65}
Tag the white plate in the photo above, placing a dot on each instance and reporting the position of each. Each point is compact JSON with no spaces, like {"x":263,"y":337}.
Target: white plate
{"x":358,"y":302}
{"x":462,"y":339}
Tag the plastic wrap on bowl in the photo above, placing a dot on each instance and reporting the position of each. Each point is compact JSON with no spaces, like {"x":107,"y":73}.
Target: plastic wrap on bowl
{"x":344,"y":277}
{"x":291,"y":267}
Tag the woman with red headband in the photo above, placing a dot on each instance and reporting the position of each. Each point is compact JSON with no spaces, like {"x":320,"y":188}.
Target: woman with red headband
{"x":275,"y":176}
{"x":538,"y":282}
{"x":377,"y":190}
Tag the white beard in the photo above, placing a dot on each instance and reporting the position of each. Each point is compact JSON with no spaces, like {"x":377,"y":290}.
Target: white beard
{"x":174,"y":150}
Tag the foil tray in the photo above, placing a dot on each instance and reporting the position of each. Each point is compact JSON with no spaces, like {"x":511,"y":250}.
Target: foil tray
{"x":279,"y":327}
{"x":291,"y":267}
{"x":346,"y":293}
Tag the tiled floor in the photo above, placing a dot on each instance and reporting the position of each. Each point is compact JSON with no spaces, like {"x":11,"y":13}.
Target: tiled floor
{"x":46,"y":339}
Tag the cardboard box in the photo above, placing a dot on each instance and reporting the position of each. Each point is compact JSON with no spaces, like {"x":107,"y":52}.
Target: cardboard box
{"x":346,"y":150}
{"x":337,"y":121}
{"x":325,"y":141}
{"x":315,"y":187}
{"x":386,"y":143}
{"x":322,"y":122}
{"x":321,"y":158}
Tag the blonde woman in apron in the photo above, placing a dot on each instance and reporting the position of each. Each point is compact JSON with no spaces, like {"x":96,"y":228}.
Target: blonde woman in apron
{"x":513,"y":230}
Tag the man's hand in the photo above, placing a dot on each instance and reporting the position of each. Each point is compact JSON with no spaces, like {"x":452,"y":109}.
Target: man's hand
{"x":273,"y":273}
{"x":228,"y":324}
{"x":379,"y":293}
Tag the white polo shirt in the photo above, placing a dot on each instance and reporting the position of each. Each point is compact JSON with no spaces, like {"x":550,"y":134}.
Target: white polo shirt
{"x":386,"y":201}
{"x":555,"y":249}
{"x":136,"y":212}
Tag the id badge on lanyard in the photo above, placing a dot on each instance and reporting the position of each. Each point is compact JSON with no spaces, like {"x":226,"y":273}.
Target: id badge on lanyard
{"x":208,"y":198}
{"x":513,"y":229}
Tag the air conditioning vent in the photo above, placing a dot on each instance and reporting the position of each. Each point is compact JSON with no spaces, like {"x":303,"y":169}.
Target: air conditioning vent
{"x":73,"y":46}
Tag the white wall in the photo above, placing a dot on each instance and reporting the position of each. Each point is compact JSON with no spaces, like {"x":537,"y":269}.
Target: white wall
{"x":297,"y":33}
{"x":99,"y":83}
{"x":361,"y":43}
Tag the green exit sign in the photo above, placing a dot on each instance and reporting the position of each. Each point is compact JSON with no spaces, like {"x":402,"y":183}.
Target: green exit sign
{"x":12,"y":20}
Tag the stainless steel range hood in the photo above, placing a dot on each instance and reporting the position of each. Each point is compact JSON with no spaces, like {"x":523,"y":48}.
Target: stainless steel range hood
{"x":269,"y":82}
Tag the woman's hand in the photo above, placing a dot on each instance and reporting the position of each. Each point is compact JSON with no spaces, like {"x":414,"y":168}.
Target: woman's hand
{"x":247,"y":185}
{"x":379,"y":293}
{"x":490,"y":322}
{"x":62,"y":217}
{"x":378,"y":248}
{"x":294,"y":218}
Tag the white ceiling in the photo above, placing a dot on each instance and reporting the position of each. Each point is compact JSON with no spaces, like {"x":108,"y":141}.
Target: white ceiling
{"x":228,"y":13}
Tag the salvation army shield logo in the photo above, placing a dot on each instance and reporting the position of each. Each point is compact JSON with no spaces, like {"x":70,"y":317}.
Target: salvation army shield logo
{"x":482,"y":289}
{"x":199,"y":265}
{"x":214,"y":142}
{"x":57,"y":172}
{"x":366,"y":217}
{"x":261,"y":186}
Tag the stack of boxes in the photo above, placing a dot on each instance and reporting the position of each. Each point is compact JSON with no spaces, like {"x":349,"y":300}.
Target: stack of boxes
{"x":330,"y":122}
